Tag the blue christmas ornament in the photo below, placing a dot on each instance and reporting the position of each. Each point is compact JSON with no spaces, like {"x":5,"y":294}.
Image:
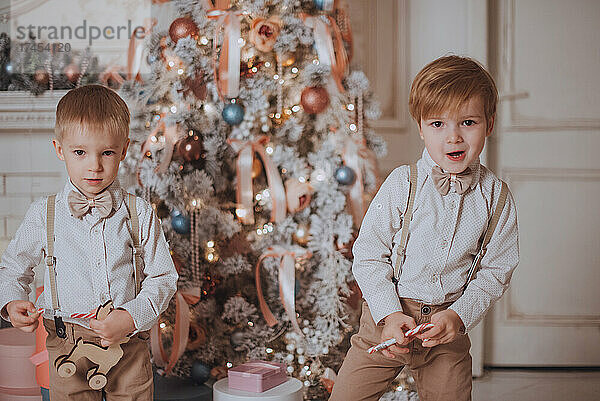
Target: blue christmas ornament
{"x":325,"y":5}
{"x":200,"y":372}
{"x":151,"y":59}
{"x":9,"y":68}
{"x":345,"y":175}
{"x":180,"y":223}
{"x":233,"y":114}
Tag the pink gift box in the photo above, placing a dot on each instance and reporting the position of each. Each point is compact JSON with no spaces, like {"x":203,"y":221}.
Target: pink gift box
{"x":257,"y":376}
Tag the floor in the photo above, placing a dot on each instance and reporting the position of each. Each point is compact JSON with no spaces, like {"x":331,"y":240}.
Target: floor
{"x":538,"y":385}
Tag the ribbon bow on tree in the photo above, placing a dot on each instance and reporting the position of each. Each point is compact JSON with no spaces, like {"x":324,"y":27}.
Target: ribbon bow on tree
{"x":330,"y":47}
{"x":244,"y":192}
{"x":358,"y":157}
{"x":183,"y":298}
{"x":227,"y":74}
{"x":287,"y":281}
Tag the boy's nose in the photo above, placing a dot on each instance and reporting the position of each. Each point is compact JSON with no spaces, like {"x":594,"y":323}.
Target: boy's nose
{"x":453,"y":135}
{"x":96,"y":165}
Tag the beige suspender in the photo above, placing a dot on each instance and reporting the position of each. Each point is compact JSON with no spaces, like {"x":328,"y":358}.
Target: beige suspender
{"x":488,"y":234}
{"x":408,"y":216}
{"x":51,"y":261}
{"x":137,"y":249}
{"x":406,"y":222}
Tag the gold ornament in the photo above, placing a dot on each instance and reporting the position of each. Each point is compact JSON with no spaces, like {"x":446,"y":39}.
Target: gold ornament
{"x":278,"y":118}
{"x":287,"y":59}
{"x":301,"y":235}
{"x":41,"y":76}
{"x":72,"y":72}
{"x":212,"y":257}
{"x":256,"y":167}
{"x":196,"y":337}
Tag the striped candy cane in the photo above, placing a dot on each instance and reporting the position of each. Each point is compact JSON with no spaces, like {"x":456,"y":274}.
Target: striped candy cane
{"x":89,"y":315}
{"x":419,"y":329}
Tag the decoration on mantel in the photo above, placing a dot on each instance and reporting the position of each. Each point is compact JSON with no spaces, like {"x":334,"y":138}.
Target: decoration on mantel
{"x":39,"y":71}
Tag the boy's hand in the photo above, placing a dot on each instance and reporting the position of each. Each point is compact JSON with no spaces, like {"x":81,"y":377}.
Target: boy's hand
{"x":394,"y":325}
{"x":117,"y":325}
{"x":447,"y":325}
{"x":23,"y":315}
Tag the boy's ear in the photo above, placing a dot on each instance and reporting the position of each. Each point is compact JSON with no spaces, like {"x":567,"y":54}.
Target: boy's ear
{"x":59,"y":149}
{"x":125,"y":150}
{"x":490,"y":126}
{"x":419,"y":125}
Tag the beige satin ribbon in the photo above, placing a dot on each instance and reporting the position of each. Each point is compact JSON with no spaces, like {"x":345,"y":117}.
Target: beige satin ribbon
{"x":171,"y":134}
{"x":330,"y":48}
{"x":287,"y":281}
{"x":357,"y":156}
{"x":227,"y":74}
{"x":135,"y":52}
{"x":111,"y":72}
{"x":244,"y":191}
{"x":136,"y":49}
{"x":183,"y":299}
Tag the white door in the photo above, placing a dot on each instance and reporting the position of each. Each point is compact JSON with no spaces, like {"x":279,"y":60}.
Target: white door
{"x":546,"y":56}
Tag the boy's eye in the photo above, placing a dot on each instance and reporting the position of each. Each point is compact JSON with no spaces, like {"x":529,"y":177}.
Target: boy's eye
{"x":79,"y":152}
{"x":436,"y":124}
{"x":108,"y":153}
{"x":469,"y":123}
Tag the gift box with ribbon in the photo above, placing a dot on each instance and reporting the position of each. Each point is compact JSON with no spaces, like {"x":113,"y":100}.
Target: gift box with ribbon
{"x":257,"y":376}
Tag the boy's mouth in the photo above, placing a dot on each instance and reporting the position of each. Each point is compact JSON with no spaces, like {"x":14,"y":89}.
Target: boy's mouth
{"x":93,"y":181}
{"x":456,"y":156}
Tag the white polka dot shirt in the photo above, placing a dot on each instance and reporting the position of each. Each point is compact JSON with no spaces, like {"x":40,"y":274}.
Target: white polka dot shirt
{"x":443,"y":239}
{"x":94,"y":260}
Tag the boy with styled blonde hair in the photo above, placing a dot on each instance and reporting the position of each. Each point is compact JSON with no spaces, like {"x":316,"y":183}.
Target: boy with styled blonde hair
{"x":438,"y":244}
{"x":100,"y":244}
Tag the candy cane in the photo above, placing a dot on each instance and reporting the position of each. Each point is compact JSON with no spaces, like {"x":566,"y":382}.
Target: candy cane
{"x":419,"y":329}
{"x":89,"y":315}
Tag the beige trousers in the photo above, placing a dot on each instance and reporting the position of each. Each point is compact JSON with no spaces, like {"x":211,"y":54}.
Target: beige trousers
{"x":129,"y":380}
{"x":441,"y":373}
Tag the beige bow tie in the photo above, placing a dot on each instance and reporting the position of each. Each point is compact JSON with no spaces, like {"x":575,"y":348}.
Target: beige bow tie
{"x":80,"y":205}
{"x":442,"y":180}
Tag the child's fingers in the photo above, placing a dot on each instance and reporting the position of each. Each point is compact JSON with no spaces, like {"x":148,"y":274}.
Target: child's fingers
{"x":433,"y":341}
{"x":22,"y":321}
{"x":398,"y":350}
{"x":394,"y":350}
{"x":436,"y":331}
{"x":30,"y":328}
{"x":97,"y":326}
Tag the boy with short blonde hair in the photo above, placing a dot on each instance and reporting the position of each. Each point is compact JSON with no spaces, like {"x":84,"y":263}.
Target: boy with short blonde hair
{"x":438,"y":244}
{"x":105,"y":245}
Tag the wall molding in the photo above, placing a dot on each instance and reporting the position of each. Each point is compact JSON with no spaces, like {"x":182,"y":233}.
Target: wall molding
{"x":517,"y":121}
{"x":378,"y":42}
{"x":511,"y":314}
{"x":22,"y":111}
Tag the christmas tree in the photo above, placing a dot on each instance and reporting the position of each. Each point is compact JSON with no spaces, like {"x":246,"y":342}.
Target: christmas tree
{"x":253,"y":145}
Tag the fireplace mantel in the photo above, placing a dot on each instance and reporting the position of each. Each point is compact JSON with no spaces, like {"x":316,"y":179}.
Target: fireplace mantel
{"x":22,"y":111}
